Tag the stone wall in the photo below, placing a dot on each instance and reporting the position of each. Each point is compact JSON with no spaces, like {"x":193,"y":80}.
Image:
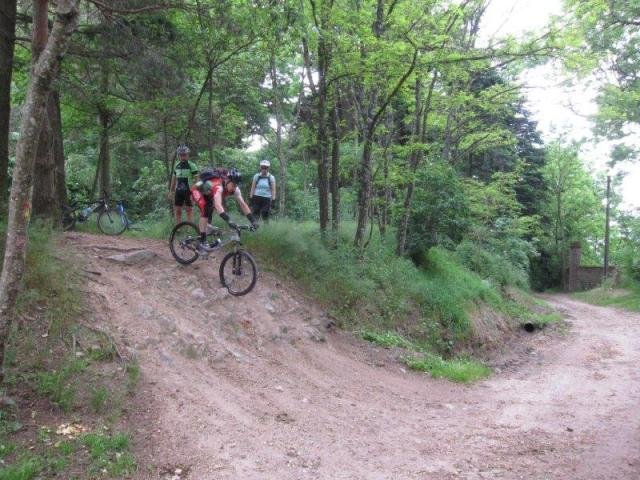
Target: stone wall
{"x":584,"y":278}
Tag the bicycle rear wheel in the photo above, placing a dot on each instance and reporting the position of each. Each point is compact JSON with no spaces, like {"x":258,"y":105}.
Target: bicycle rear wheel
{"x":238,"y":272}
{"x":112,"y":222}
{"x":184,"y":241}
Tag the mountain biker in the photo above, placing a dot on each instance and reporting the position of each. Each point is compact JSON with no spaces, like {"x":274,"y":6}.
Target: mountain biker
{"x":179,"y":190}
{"x":209,"y":194}
{"x":263,"y":191}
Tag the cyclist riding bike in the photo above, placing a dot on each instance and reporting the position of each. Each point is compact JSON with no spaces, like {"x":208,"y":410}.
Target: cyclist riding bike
{"x":209,"y":194}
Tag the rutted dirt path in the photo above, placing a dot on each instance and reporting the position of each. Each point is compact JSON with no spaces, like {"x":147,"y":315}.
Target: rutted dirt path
{"x":259,"y":388}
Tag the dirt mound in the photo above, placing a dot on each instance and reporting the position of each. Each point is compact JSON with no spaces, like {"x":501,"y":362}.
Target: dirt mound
{"x":259,"y":387}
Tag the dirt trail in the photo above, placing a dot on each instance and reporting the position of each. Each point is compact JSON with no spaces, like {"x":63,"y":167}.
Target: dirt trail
{"x":259,"y":388}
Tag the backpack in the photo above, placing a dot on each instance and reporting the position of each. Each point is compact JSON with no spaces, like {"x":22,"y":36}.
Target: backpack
{"x":259,"y":178}
{"x":209,"y":173}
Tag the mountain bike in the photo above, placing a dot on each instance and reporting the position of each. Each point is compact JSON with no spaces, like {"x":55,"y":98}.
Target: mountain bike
{"x":111,"y":221}
{"x":238,"y":269}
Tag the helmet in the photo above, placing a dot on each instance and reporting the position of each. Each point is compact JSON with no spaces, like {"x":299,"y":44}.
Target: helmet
{"x":265,"y":163}
{"x":207,"y":173}
{"x":182,"y":148}
{"x":234,"y":175}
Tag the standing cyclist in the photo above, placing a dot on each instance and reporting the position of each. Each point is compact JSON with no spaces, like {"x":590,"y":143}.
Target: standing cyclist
{"x":183,"y":172}
{"x":210,"y":192}
{"x":263,"y":191}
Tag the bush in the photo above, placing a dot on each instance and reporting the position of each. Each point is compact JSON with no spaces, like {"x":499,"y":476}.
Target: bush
{"x":376,"y":290}
{"x":491,"y":266}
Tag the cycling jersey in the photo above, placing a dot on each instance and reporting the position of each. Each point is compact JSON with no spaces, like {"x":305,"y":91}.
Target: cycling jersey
{"x":183,"y":172}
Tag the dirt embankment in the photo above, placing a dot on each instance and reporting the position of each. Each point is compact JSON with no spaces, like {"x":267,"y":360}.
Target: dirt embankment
{"x":258,"y":388}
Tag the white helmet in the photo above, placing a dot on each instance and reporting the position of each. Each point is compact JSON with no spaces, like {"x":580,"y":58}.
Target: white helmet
{"x":265,"y":163}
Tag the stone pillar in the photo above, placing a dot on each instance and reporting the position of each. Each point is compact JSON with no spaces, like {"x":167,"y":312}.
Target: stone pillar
{"x":574,"y":266}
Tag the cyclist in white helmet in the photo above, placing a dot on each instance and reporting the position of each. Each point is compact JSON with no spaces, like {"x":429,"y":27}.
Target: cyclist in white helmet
{"x":263,"y":191}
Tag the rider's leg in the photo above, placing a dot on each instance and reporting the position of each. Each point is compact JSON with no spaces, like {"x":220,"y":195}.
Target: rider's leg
{"x":189,"y":211}
{"x":177,"y":213}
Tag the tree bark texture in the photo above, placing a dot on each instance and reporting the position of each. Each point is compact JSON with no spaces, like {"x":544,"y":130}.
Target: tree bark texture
{"x":42,"y":76}
{"x":335,"y":168}
{"x":104,"y":157}
{"x":104,"y":120}
{"x":277,"y":111}
{"x":60,"y":180}
{"x":323,"y":161}
{"x":7,"y":43}
{"x":45,"y":193}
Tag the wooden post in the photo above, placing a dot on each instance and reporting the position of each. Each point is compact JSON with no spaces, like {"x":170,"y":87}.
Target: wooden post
{"x":606,"y":230}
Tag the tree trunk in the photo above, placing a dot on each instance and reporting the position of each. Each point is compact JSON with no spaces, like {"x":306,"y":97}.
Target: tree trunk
{"x":60,"y":180}
{"x":42,"y":76}
{"x":44,"y":201}
{"x":335,"y":169}
{"x":104,"y":120}
{"x":364,"y":188}
{"x":7,"y":42}
{"x":210,"y":120}
{"x":277,"y":110}
{"x":323,"y":161}
{"x":104,"y":157}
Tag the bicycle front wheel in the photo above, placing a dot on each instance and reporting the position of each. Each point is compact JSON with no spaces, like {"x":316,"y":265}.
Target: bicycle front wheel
{"x":184,"y":241}
{"x":112,"y":222}
{"x":238,"y":272}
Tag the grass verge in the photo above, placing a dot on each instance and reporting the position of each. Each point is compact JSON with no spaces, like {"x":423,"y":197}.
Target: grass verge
{"x":61,"y":376}
{"x":627,"y":298}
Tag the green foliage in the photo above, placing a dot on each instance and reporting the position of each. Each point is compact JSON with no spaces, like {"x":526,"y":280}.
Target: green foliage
{"x":99,"y":397}
{"x":27,"y":468}
{"x":386,"y":339}
{"x":610,"y":34}
{"x":461,"y":370}
{"x":49,"y":281}
{"x":110,"y":453}
{"x":440,"y":215}
{"x":59,"y":385}
{"x":427,"y":305}
{"x":628,"y":299}
{"x":491,"y":266}
{"x":572,"y":211}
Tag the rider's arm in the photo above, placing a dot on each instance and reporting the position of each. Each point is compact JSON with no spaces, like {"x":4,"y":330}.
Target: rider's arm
{"x":172,"y":187}
{"x":217,"y":203}
{"x":273,"y":187}
{"x":241,"y":203}
{"x":253,"y":188}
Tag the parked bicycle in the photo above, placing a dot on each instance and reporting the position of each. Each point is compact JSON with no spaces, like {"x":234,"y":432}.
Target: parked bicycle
{"x":111,"y":221}
{"x":238,"y":269}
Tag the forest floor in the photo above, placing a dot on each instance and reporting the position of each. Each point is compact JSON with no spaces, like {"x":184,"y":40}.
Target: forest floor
{"x":263,"y":387}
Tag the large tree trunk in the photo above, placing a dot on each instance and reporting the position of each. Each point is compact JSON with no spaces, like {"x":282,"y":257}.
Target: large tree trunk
{"x":42,"y":76}
{"x":7,"y":42}
{"x":323,"y":161}
{"x":45,"y":197}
